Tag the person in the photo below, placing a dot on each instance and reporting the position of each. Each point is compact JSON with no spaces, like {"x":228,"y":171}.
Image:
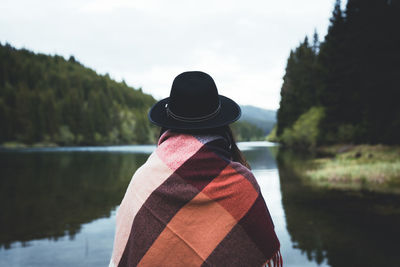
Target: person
{"x":195,"y":201}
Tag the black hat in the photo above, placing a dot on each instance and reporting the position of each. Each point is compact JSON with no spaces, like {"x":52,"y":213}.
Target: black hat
{"x":194,"y":103}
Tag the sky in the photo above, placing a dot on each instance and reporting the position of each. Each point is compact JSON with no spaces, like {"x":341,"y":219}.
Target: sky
{"x":243,"y":45}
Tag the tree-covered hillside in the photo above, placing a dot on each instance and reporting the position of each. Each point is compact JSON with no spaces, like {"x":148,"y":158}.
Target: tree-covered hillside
{"x":47,"y":99}
{"x":264,"y":119}
{"x":346,"y":88}
{"x":246,"y":131}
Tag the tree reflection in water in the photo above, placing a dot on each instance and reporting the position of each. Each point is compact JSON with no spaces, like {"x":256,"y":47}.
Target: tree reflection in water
{"x":50,"y":195}
{"x":346,"y":228}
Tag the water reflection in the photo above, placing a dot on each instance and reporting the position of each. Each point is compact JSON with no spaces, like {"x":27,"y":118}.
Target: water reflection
{"x":50,"y":195}
{"x":260,"y":155}
{"x":64,"y":201}
{"x":346,"y":229}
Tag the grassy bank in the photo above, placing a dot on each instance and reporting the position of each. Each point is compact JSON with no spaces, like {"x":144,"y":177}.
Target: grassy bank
{"x":346,"y":167}
{"x":15,"y":145}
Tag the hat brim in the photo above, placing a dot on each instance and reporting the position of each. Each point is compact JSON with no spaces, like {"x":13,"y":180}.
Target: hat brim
{"x":229,"y":112}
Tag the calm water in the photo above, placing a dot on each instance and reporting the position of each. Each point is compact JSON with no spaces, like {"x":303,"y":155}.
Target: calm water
{"x":58,"y":209}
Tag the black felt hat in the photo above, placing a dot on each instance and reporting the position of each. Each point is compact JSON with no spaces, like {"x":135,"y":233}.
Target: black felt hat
{"x":194,"y":103}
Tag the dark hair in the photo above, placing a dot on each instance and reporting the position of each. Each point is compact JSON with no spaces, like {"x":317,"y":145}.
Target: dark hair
{"x":224,"y":131}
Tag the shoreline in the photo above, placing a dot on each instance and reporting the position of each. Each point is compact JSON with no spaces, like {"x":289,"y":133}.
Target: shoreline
{"x":19,"y":145}
{"x":22,"y":146}
{"x":373,"y":168}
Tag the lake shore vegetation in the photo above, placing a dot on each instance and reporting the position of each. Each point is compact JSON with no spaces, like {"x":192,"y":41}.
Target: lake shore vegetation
{"x":372,"y":168}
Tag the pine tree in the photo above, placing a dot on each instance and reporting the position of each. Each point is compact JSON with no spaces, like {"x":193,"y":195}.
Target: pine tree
{"x":315,"y":44}
{"x":331,"y":60}
{"x":299,"y":86}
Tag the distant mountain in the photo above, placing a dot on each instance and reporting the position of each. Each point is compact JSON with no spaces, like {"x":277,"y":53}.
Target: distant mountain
{"x":264,"y":119}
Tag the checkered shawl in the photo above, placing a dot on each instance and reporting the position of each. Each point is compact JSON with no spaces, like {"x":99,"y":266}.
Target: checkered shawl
{"x":190,"y":205}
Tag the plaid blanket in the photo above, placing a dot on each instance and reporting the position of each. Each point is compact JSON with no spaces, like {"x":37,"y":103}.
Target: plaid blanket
{"x":190,"y":205}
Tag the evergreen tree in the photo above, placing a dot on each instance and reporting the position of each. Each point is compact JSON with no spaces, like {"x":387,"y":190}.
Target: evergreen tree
{"x":331,"y":60}
{"x":315,"y":44}
{"x":298,"y":89}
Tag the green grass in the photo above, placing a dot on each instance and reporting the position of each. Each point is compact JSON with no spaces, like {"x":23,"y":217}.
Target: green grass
{"x":12,"y":145}
{"x":368,"y":167}
{"x":16,"y":144}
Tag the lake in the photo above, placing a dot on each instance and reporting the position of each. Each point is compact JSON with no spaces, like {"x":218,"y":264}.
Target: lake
{"x":58,"y":208}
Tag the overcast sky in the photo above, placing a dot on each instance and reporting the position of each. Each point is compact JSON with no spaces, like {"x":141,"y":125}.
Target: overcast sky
{"x":243,"y":45}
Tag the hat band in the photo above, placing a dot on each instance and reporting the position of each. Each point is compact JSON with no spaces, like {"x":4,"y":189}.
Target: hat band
{"x":193,"y":119}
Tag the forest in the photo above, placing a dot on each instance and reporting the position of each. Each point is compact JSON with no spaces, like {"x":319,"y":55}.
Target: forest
{"x":346,"y":88}
{"x":48,"y":100}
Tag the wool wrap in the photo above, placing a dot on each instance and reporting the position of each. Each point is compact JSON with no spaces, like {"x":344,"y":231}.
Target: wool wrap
{"x":191,"y":205}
